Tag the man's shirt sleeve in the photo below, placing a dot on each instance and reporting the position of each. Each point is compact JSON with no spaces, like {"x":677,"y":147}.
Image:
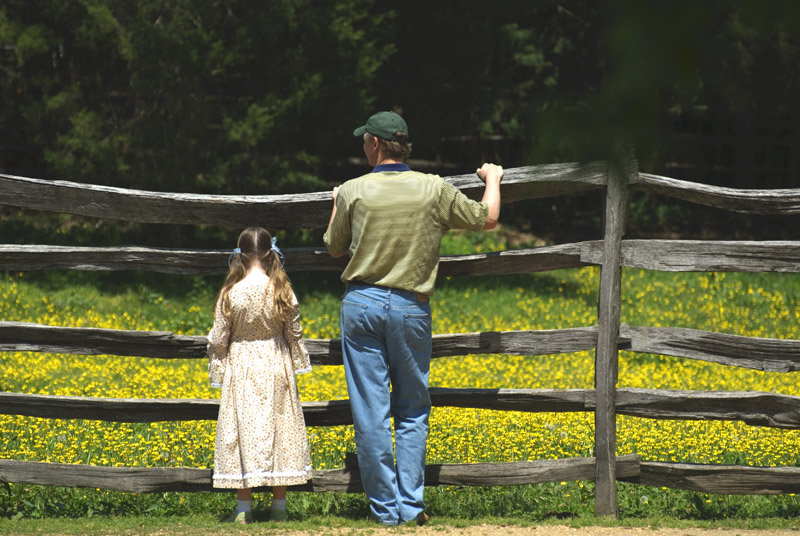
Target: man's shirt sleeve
{"x":337,"y":237}
{"x":457,"y":211}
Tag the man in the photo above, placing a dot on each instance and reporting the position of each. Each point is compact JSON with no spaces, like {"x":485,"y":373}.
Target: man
{"x":391,"y":222}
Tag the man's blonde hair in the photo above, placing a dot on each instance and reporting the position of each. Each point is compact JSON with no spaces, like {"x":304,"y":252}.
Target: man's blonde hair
{"x":397,"y":150}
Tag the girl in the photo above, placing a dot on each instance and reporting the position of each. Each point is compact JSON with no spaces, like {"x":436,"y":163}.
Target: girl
{"x":255,"y":348}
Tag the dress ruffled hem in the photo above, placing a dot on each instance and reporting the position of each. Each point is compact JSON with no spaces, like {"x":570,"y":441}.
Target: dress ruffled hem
{"x":255,"y":479}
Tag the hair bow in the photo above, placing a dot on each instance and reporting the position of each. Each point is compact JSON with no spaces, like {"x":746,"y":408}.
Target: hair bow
{"x":276,"y":249}
{"x":236,"y":251}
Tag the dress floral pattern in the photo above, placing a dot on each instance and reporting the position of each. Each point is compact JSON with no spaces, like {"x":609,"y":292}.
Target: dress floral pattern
{"x":253,"y":356}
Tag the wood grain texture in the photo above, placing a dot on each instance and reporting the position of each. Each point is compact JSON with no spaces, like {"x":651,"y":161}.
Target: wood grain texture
{"x":751,"y":407}
{"x":706,"y":255}
{"x":775,"y":201}
{"x":663,"y":255}
{"x":317,"y":413}
{"x":28,"y":337}
{"x":291,"y":211}
{"x":608,"y":316}
{"x":544,"y":180}
{"x":161,"y":260}
{"x":722,"y":479}
{"x":346,"y":479}
{"x":774,"y":355}
{"x":208,"y":262}
{"x":518,"y":473}
{"x":771,"y":355}
{"x":516,"y":261}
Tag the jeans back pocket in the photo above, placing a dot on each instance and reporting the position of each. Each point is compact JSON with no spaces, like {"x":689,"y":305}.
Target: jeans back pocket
{"x":353,"y":318}
{"x":418,"y":330}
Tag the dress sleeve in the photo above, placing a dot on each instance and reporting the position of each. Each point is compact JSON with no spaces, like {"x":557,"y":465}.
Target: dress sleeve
{"x":217,"y":348}
{"x":293,"y":333}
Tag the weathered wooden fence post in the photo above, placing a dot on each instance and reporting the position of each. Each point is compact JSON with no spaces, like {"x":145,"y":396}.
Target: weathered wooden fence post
{"x":608,"y":317}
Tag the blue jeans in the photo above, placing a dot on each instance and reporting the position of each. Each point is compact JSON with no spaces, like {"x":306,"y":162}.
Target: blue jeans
{"x":386,"y":342}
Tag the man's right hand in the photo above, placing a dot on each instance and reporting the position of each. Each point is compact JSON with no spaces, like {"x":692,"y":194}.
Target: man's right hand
{"x":490,"y":172}
{"x":491,"y":175}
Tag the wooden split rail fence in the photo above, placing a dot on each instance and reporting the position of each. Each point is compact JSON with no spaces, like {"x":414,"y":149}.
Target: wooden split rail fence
{"x":312,"y":210}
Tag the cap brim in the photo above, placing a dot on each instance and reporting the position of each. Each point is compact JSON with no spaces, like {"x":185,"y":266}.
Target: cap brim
{"x":360,"y":131}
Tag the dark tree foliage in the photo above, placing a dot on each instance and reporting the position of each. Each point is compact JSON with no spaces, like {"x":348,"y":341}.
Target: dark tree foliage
{"x":717,"y":74}
{"x":247,"y":97}
{"x":473,"y":77}
{"x":195,"y":96}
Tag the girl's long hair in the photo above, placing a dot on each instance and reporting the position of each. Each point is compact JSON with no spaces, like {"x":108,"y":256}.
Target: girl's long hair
{"x":256,"y":246}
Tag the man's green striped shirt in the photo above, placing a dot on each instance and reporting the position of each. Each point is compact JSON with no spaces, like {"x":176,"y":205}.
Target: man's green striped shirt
{"x":392,"y":222}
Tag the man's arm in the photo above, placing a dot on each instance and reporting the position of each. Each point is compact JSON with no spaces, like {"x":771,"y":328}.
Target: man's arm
{"x":491,"y":175}
{"x":330,"y":222}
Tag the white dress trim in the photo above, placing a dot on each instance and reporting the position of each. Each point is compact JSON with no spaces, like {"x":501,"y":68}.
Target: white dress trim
{"x":258,"y":474}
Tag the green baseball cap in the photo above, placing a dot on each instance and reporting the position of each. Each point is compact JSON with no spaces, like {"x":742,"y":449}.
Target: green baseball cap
{"x":384,"y":125}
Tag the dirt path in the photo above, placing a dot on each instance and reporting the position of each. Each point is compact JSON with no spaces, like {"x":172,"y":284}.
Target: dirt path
{"x":268,"y":529}
{"x":515,"y":530}
{"x":554,"y":530}
{"x":551,"y":530}
{"x":476,"y":530}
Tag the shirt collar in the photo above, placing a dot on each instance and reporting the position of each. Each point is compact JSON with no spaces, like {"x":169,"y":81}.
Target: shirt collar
{"x":391,"y":167}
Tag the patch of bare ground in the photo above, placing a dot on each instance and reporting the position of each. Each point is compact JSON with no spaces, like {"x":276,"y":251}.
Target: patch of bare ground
{"x":514,"y":530}
{"x":545,"y":530}
{"x":270,"y":529}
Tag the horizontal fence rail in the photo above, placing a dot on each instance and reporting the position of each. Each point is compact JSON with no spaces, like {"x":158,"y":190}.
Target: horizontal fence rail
{"x":706,"y":255}
{"x":784,"y":201}
{"x":751,"y":407}
{"x":758,"y":353}
{"x":311,"y":210}
{"x":663,"y":255}
{"x":204,"y":262}
{"x":774,"y":355}
{"x":347,"y":479}
{"x":28,"y":337}
{"x":291,"y":211}
{"x":721,"y":479}
{"x":325,"y":413}
{"x":141,"y":410}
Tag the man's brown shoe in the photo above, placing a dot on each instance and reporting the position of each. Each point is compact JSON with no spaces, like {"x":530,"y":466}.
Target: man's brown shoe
{"x":422,"y":518}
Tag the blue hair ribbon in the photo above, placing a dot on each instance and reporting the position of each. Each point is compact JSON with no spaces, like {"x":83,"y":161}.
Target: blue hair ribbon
{"x":276,"y":249}
{"x":236,"y":251}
